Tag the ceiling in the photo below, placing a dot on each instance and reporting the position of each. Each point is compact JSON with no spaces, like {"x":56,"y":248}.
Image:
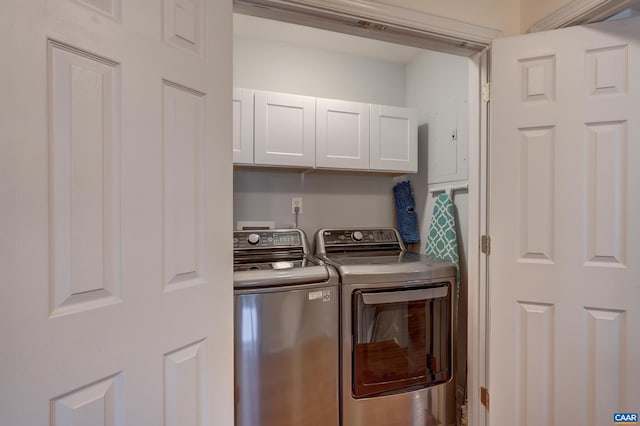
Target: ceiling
{"x":254,"y":27}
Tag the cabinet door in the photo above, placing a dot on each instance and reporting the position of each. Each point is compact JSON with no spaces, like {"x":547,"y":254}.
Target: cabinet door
{"x":342,"y":134}
{"x":242,"y":126}
{"x":394,"y":139}
{"x":284,"y":129}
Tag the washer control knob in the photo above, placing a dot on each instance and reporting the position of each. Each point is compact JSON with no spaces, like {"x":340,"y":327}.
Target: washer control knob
{"x":253,"y":239}
{"x":357,"y":236}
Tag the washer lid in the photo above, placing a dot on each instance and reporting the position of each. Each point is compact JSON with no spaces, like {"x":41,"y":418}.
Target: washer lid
{"x":281,"y":277}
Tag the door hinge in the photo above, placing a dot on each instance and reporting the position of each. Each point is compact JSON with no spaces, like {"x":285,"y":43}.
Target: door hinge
{"x":486,"y":92}
{"x":485,"y":244}
{"x":484,"y":397}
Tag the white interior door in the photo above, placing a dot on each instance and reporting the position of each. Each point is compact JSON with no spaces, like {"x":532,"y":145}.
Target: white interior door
{"x":115,"y":256}
{"x":565,"y":226}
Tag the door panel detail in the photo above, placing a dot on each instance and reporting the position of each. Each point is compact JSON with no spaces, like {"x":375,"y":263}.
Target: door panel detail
{"x":337,"y":146}
{"x":607,"y":70}
{"x":184,"y":130}
{"x":184,"y":24}
{"x":607,"y":194}
{"x":538,"y":78}
{"x":535,"y":364}
{"x":84,"y":192}
{"x":393,"y":126}
{"x":184,"y":391}
{"x":110,"y":8}
{"x":537,"y":171}
{"x":283,"y":113}
{"x":605,"y":371}
{"x":97,"y":404}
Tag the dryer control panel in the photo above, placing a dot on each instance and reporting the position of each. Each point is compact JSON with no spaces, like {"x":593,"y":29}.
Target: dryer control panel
{"x":364,"y":236}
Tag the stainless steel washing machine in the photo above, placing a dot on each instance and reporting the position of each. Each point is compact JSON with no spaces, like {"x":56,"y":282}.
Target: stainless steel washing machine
{"x":286,"y":332}
{"x":397,"y":344}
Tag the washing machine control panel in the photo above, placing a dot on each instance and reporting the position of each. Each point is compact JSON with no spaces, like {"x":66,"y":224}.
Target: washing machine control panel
{"x":267,"y":239}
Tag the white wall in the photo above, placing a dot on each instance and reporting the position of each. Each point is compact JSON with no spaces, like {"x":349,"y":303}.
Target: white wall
{"x":283,"y":67}
{"x":328,"y":200}
{"x":433,"y":80}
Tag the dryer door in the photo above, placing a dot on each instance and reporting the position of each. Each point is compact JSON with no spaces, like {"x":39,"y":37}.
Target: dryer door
{"x":402,"y":339}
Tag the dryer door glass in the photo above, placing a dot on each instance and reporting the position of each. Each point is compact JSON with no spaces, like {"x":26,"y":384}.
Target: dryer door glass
{"x":402,"y":339}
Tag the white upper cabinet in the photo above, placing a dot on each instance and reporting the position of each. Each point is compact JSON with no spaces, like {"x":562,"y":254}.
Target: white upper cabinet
{"x":342,"y":134}
{"x":394,"y":139}
{"x":242,"y":126}
{"x":285,"y":130}
{"x":284,"y":133}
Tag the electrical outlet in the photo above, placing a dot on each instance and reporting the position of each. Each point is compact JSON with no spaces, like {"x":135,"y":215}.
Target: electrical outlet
{"x":296,"y":202}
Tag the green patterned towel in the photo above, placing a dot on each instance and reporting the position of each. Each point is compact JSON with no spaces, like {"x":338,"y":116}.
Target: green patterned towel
{"x":442,"y":241}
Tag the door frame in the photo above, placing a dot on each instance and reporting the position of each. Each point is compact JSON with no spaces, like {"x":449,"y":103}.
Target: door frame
{"x":445,"y":35}
{"x":376,"y":20}
{"x":477,"y":263}
{"x":404,"y":26}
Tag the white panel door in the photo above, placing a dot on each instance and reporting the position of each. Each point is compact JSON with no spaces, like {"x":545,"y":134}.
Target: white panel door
{"x":342,"y":134}
{"x":115,"y":256}
{"x":242,"y":126}
{"x":284,"y":133}
{"x":394,"y":139}
{"x":564,"y":268}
